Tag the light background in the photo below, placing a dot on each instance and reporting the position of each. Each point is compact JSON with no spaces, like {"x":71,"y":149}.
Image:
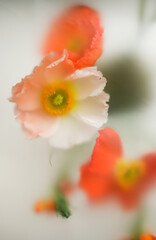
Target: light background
{"x":25,"y":172}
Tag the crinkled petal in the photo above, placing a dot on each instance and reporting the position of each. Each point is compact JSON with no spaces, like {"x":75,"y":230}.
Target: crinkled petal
{"x":26,"y":96}
{"x":92,"y":110}
{"x":54,"y":67}
{"x":38,"y":77}
{"x":93,"y":53}
{"x":87,"y":82}
{"x":59,"y":69}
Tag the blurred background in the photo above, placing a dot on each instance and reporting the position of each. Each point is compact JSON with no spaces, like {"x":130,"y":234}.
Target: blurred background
{"x":129,"y":64}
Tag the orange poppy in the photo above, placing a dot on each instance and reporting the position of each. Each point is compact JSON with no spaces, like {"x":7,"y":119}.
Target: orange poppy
{"x":78,"y":30}
{"x":148,"y":237}
{"x":44,"y":205}
{"x":143,"y":237}
{"x":108,"y":174}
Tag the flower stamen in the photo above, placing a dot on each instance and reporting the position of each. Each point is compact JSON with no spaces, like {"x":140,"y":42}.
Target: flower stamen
{"x":57,"y":98}
{"x":127,"y":174}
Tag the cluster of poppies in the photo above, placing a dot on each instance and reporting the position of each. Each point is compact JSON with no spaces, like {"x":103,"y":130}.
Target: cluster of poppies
{"x":63,"y":101}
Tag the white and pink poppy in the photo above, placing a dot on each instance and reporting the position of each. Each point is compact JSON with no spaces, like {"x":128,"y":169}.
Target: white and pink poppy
{"x":60,"y":103}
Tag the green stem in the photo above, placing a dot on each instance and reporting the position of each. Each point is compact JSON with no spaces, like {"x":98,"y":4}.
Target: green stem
{"x":137,"y":229}
{"x":64,"y":172}
{"x":62,"y":206}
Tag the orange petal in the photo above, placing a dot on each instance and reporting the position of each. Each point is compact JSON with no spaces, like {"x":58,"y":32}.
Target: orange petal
{"x":93,"y":184}
{"x":50,"y":205}
{"x":78,"y":30}
{"x":39,"y":207}
{"x":150,"y":164}
{"x":107,"y":151}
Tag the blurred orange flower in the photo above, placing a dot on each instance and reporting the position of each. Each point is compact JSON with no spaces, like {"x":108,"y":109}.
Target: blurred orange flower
{"x":44,"y":205}
{"x":78,"y":30}
{"x":148,"y":237}
{"x":108,"y":174}
{"x":67,"y":187}
{"x":143,"y":237}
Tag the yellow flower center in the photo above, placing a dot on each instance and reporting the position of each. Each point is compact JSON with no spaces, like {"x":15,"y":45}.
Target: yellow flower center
{"x":57,"y":98}
{"x":127,"y":174}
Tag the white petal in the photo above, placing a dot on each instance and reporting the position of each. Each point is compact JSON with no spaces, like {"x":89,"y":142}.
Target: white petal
{"x":49,"y":132}
{"x":87,"y":82}
{"x":37,"y":123}
{"x":71,"y":131}
{"x":92,"y":110}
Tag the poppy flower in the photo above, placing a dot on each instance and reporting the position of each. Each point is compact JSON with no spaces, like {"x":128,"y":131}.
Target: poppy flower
{"x":148,"y":237}
{"x":78,"y":30}
{"x":143,"y":237}
{"x":57,"y":102}
{"x":109,"y":174}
